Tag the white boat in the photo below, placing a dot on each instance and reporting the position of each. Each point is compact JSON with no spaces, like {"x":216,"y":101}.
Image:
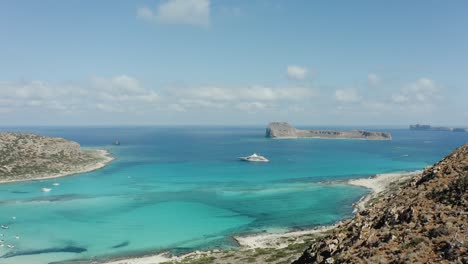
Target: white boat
{"x":254,"y":158}
{"x":55,"y":184}
{"x":4,"y":227}
{"x":10,"y":246}
{"x":46,"y":189}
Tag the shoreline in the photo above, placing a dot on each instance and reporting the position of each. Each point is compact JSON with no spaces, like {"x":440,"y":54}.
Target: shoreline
{"x":102,"y":154}
{"x":379,"y":184}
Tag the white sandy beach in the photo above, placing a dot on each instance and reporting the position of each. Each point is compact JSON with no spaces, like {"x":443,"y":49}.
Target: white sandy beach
{"x":277,"y":240}
{"x":378,"y":184}
{"x":154,"y":259}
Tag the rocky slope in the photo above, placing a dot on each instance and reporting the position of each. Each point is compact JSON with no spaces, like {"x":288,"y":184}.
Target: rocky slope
{"x":30,"y":156}
{"x":285,"y":130}
{"x":421,"y":221}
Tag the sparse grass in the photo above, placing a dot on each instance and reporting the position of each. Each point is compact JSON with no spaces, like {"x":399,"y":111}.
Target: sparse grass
{"x":414,"y":242}
{"x":249,"y":260}
{"x":298,"y":247}
{"x":262,"y":251}
{"x":200,"y":260}
{"x":277,"y":256}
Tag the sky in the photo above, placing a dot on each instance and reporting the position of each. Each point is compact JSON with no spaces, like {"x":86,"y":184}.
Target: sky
{"x":224,"y":62}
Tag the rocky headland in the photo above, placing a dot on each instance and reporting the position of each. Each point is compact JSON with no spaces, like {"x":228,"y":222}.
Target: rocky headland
{"x":284,"y":130}
{"x":422,"y":220}
{"x":29,"y":157}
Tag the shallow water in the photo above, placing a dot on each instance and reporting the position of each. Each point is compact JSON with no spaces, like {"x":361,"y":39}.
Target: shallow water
{"x":182,"y":188}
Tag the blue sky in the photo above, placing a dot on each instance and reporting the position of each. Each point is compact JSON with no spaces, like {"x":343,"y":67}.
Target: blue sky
{"x":233,"y":62}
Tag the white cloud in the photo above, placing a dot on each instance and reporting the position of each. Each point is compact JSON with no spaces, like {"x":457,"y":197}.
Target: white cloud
{"x":422,"y":85}
{"x":251,"y":106}
{"x":145,"y":13}
{"x":189,"y":12}
{"x":399,"y":99}
{"x":125,"y":94}
{"x":248,"y":93}
{"x":347,"y":95}
{"x":296,"y":72}
{"x":117,"y":94}
{"x":373,"y":79}
{"x":423,"y":90}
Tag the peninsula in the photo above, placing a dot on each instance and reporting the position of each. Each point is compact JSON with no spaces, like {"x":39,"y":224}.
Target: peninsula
{"x":282,"y":130}
{"x":31,"y":157}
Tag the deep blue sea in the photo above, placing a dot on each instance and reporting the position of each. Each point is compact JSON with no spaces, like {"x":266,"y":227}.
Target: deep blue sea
{"x":183,"y":188}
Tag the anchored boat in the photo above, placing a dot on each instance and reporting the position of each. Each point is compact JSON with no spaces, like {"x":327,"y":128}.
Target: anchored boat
{"x":254,"y":158}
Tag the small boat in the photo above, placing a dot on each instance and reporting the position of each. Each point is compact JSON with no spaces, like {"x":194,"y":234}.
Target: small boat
{"x":17,"y":237}
{"x":117,"y":142}
{"x":254,"y":158}
{"x":55,"y":184}
{"x":13,"y":217}
{"x":4,"y":227}
{"x":46,"y":189}
{"x":10,"y":246}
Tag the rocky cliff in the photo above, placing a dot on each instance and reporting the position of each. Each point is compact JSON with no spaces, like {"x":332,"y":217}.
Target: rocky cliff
{"x":422,"y":221}
{"x":30,"y":156}
{"x":285,"y":130}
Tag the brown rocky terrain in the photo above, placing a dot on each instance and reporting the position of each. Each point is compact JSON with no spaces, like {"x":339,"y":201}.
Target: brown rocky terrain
{"x":30,"y":156}
{"x":285,"y":130}
{"x":421,"y":221}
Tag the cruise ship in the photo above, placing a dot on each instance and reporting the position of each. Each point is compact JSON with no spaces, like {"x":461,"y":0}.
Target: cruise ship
{"x":254,"y":158}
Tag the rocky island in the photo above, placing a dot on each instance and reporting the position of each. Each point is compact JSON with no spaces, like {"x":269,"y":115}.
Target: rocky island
{"x":30,"y":156}
{"x":284,"y":130}
{"x":439,"y":128}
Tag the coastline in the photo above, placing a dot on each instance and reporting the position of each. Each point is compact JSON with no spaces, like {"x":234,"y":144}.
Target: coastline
{"x":104,"y":157}
{"x":378,"y":184}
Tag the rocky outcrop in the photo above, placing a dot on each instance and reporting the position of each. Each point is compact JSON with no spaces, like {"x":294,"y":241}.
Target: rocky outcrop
{"x":285,"y":130}
{"x":29,"y":156}
{"x":422,"y":221}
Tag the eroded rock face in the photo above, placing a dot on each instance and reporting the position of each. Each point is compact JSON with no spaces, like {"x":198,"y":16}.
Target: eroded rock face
{"x":281,"y":130}
{"x":285,"y":130}
{"x":423,"y":221}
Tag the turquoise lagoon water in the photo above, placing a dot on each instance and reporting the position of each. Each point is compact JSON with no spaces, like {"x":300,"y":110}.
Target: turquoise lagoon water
{"x":182,"y":189}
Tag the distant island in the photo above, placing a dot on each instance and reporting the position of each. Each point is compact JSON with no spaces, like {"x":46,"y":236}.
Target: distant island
{"x":440,"y":128}
{"x":282,"y":130}
{"x":30,"y":157}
